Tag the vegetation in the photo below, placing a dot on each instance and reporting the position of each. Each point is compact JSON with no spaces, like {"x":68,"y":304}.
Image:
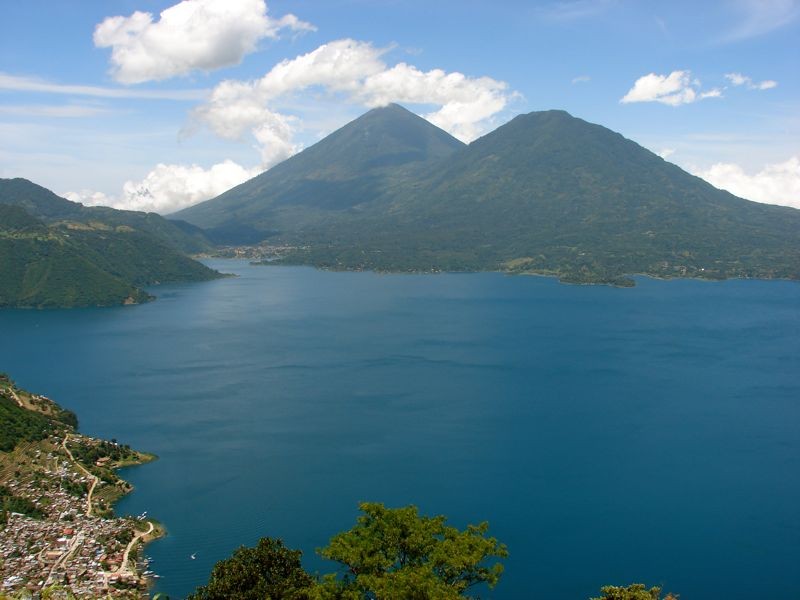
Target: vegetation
{"x":9,"y":503}
{"x":18,"y":424}
{"x":89,"y":265}
{"x":335,"y":176}
{"x":389,"y":554}
{"x":636,"y":591}
{"x":396,"y":553}
{"x":545,"y":193}
{"x":43,"y":204}
{"x":270,"y":570}
{"x":26,"y":417}
{"x":89,"y":454}
{"x":37,"y":404}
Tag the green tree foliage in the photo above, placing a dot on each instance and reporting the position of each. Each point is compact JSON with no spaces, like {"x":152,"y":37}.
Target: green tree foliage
{"x":9,"y":503}
{"x":41,"y":203}
{"x":390,"y":554}
{"x":635,"y":591}
{"x":270,"y":571}
{"x":88,"y":265}
{"x":18,"y":424}
{"x":88,"y":454}
{"x":398,"y":554}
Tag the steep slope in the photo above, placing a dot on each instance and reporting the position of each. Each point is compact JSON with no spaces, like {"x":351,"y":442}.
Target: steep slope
{"x":50,"y":266}
{"x":339,"y":175}
{"x":50,"y":208}
{"x":41,"y":268}
{"x":549,"y":193}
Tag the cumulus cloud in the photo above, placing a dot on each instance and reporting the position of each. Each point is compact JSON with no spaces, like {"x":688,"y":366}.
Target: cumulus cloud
{"x":738,"y":79}
{"x":169,"y":188}
{"x":665,"y":153}
{"x":674,"y":89}
{"x":777,"y":183}
{"x":191,"y":35}
{"x":357,"y":72}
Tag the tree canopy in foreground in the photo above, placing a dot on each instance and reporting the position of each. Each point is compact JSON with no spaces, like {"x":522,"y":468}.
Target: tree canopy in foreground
{"x":398,"y":554}
{"x":635,"y":591}
{"x":390,"y":554}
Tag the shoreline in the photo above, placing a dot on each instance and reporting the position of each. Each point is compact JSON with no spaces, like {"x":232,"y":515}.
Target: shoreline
{"x":626,"y":280}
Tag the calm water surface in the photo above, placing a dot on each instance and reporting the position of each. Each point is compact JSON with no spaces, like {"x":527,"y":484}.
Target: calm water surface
{"x":608,"y":435}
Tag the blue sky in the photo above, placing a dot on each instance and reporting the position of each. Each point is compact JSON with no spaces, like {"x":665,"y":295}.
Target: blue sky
{"x":155,"y":105}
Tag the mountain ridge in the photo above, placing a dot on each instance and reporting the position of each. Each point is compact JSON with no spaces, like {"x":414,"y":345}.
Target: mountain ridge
{"x":52,"y":209}
{"x":545,"y":193}
{"x":72,"y":261}
{"x":347,"y":169}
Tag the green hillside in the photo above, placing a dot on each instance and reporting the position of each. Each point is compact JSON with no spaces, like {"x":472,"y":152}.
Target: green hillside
{"x":50,"y":208}
{"x":545,"y":193}
{"x":24,"y":417}
{"x":340,"y":175}
{"x":58,"y":266}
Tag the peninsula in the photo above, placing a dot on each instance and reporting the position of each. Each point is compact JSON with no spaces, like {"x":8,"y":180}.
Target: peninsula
{"x":57,"y":489}
{"x":59,"y":254}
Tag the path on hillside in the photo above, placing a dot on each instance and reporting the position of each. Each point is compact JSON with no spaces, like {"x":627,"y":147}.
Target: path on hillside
{"x":16,"y":398}
{"x":62,"y":560}
{"x":124,"y":568}
{"x":93,"y":477}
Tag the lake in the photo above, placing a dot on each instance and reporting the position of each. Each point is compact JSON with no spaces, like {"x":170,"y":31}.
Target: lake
{"x":608,"y":435}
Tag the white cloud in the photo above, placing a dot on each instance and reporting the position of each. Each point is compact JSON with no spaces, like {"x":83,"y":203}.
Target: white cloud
{"x":52,"y":111}
{"x":33,"y":84}
{"x":466,"y":103}
{"x":738,"y":79}
{"x":674,"y":89}
{"x":713,"y":93}
{"x":665,"y":153}
{"x":274,"y":137}
{"x":191,"y":35}
{"x":169,"y":188}
{"x":90,"y":198}
{"x":777,"y":183}
{"x":357,"y":72}
{"x":581,"y":79}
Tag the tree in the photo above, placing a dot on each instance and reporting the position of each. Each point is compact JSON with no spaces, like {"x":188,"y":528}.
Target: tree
{"x":270,"y":571}
{"x":636,"y":591}
{"x":396,"y":554}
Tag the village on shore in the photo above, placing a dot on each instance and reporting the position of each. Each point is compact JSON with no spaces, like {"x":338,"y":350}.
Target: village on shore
{"x":60,"y":538}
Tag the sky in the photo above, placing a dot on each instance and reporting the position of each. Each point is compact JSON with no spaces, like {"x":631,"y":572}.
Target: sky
{"x":159,"y":104}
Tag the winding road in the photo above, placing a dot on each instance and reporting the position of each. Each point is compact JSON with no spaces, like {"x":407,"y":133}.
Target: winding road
{"x":91,"y":476}
{"x":125,"y":567}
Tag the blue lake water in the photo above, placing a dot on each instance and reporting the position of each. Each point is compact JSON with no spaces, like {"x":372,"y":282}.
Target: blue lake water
{"x":608,"y":435}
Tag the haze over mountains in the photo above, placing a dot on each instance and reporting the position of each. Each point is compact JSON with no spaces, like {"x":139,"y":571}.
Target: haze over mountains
{"x":545,"y":193}
{"x":56,"y":253}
